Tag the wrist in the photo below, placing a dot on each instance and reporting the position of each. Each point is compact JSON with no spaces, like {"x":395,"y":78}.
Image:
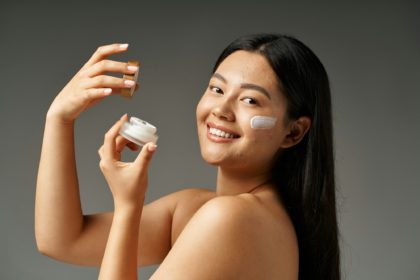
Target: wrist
{"x":57,"y":118}
{"x":128,"y":206}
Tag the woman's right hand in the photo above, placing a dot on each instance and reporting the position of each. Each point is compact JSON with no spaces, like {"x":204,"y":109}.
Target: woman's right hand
{"x":90,"y":85}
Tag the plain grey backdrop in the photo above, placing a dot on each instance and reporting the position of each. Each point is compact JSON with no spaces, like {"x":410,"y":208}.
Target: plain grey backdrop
{"x":371,"y":53}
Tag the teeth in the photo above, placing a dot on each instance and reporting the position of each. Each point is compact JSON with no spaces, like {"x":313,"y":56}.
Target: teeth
{"x":220,"y":133}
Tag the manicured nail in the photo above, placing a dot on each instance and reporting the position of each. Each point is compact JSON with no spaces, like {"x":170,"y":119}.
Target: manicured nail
{"x":152,"y":147}
{"x":107,"y":91}
{"x":132,"y":68}
{"x":129,"y":83}
{"x":123,"y":46}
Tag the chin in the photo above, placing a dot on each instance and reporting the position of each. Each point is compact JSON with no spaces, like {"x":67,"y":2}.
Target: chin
{"x":220,"y":158}
{"x":212,"y":158}
{"x":217,"y":154}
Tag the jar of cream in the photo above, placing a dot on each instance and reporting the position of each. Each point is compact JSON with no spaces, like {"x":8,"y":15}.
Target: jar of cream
{"x":139,"y":131}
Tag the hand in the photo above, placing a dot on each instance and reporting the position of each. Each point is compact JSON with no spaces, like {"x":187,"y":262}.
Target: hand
{"x":89,"y":85}
{"x":127,"y":180}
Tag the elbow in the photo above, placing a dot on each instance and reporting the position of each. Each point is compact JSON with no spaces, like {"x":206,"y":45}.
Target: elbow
{"x":43,"y":250}
{"x":53,"y":244}
{"x":49,"y":248}
{"x":43,"y":246}
{"x":41,"y":240}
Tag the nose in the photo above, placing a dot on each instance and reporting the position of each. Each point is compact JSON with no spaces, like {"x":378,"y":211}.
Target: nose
{"x":223,"y":111}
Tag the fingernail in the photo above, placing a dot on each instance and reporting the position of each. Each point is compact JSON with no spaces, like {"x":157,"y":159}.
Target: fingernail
{"x":132,"y":68}
{"x":107,"y":91}
{"x":152,"y":147}
{"x":123,"y":46}
{"x":123,"y":116}
{"x":129,"y":83}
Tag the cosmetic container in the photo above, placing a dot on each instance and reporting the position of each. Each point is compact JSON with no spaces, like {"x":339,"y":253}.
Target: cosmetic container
{"x":139,"y":131}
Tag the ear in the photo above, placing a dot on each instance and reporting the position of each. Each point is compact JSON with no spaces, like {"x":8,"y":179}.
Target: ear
{"x":297,"y":130}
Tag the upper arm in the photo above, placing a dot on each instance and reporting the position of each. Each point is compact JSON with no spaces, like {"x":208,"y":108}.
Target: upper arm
{"x":219,"y":242}
{"x":154,"y":234}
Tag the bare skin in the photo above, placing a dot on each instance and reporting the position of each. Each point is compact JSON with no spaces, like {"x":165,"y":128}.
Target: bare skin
{"x":239,"y":231}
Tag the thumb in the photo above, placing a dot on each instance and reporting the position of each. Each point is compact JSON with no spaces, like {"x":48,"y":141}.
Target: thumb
{"x":145,"y":155}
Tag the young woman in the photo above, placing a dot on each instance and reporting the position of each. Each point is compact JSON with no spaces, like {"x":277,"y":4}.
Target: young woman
{"x":264,"y":121}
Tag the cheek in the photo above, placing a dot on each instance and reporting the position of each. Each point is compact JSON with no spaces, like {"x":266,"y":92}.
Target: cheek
{"x":203,"y":108}
{"x":259,"y":136}
{"x":267,"y":138}
{"x":199,"y":112}
{"x":263,"y":122}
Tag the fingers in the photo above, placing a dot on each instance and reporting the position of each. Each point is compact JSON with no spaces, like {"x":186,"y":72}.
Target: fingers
{"x":97,"y":94}
{"x":118,"y":90}
{"x":145,"y":155}
{"x":103,"y":81}
{"x":121,"y":142}
{"x":104,"y":66}
{"x":109,"y":149}
{"x":133,"y":146}
{"x":94,"y":93}
{"x":99,"y":85}
{"x":114,"y":144}
{"x":104,"y":51}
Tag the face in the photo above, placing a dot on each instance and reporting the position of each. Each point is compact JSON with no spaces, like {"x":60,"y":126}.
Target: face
{"x":243,"y":86}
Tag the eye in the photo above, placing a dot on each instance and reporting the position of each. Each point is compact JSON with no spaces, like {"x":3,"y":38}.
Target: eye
{"x":215,"y":89}
{"x":250,"y":100}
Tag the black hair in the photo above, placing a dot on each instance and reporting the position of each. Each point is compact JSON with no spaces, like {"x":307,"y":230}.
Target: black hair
{"x":304,"y":173}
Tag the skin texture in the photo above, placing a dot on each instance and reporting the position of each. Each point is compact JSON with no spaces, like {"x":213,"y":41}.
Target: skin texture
{"x":244,"y":163}
{"x":238,"y":231}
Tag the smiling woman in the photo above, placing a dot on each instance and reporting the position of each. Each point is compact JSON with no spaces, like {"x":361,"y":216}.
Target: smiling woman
{"x":264,"y":120}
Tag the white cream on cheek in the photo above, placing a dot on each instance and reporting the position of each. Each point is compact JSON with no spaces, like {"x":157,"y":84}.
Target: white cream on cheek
{"x":263,"y":122}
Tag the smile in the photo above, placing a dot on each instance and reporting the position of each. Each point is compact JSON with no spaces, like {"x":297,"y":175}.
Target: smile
{"x":219,"y":135}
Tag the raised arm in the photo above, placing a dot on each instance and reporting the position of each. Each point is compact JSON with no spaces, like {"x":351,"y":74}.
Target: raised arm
{"x":58,"y":214}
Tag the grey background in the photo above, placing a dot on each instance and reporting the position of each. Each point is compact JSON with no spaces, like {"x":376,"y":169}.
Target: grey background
{"x":370,"y":50}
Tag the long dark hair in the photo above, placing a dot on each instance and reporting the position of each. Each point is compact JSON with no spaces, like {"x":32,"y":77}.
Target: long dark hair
{"x":304,"y":173}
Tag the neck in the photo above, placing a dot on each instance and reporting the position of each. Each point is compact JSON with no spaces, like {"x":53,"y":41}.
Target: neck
{"x":233,"y":182}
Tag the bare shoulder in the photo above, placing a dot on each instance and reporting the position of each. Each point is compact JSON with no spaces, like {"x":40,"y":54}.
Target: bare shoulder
{"x":231,"y":237}
{"x":174,"y":199}
{"x":194,"y":193}
{"x":186,"y":203}
{"x":261,"y":218}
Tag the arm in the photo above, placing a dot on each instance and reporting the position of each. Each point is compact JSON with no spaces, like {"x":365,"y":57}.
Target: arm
{"x":58,"y":215}
{"x":62,"y":231}
{"x":154,"y":238}
{"x":120,"y":258}
{"x":128,"y":183}
{"x":58,"y":212}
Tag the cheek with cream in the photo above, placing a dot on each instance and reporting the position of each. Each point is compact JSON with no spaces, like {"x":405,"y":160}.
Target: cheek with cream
{"x":263,"y":122}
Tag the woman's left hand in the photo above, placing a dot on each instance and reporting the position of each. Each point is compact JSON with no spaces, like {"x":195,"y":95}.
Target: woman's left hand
{"x":127,"y":180}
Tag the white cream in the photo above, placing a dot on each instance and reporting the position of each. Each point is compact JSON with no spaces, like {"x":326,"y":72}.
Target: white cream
{"x":263,"y":122}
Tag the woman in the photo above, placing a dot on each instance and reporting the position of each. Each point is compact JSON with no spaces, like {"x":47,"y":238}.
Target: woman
{"x":264,"y":121}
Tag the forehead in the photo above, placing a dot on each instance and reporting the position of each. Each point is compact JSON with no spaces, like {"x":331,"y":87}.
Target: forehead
{"x":247,"y":67}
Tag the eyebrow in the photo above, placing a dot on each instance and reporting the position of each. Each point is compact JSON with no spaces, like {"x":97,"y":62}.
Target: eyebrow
{"x":245,"y":85}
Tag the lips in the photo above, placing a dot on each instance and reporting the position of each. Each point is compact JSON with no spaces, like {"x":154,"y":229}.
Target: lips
{"x":225,"y":130}
{"x":222,"y":128}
